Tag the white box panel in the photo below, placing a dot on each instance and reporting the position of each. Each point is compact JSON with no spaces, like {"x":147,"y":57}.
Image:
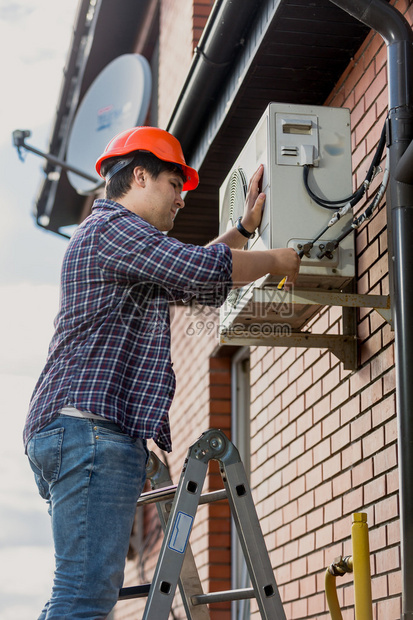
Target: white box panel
{"x":287,"y":137}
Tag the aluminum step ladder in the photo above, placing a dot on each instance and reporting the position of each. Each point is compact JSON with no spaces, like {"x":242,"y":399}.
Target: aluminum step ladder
{"x":176,"y":565}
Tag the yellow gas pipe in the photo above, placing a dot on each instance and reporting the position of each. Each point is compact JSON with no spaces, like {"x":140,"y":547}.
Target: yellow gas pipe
{"x":361,"y":567}
{"x":338,"y":568}
{"x":359,"y":563}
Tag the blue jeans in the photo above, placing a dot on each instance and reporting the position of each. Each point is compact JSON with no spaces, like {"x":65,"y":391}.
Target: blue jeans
{"x":91,"y":475}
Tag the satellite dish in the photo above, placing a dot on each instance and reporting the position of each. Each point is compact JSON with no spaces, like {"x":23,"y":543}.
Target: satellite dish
{"x":117,"y":99}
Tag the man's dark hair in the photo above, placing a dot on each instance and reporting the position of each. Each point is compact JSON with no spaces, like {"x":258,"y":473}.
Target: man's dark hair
{"x":121,"y":182}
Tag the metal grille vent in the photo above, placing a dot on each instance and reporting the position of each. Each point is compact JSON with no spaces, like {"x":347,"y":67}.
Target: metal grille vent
{"x":233,"y":207}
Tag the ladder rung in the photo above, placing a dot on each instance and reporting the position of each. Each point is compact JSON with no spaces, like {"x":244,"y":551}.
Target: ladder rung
{"x":165,"y":493}
{"x":134,"y":591}
{"x":222,"y":597}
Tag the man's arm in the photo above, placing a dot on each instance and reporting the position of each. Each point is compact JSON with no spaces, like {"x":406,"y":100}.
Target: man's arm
{"x":249,"y":266}
{"x":251,"y":219}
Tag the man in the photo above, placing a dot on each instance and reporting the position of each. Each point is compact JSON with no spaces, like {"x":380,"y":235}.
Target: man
{"x":108,"y":382}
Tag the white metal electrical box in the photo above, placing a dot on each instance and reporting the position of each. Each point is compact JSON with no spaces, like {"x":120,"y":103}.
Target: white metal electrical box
{"x":287,"y":138}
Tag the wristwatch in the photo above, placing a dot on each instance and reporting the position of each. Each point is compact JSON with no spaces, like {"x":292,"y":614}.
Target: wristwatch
{"x":242,"y":230}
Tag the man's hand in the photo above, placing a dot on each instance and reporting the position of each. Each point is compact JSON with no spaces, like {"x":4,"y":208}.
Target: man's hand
{"x":251,"y":265}
{"x":287,"y":261}
{"x":254,"y":202}
{"x":254,"y":205}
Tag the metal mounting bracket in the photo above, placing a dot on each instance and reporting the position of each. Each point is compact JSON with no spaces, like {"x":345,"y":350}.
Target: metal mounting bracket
{"x":344,"y":347}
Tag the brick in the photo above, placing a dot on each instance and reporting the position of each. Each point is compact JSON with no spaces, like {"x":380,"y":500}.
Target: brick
{"x":373,"y":443}
{"x":385,"y":360}
{"x":324,"y":536}
{"x":332,"y":466}
{"x":350,"y":410}
{"x":379,"y":587}
{"x":322,"y":451}
{"x":283,"y":535}
{"x":390,"y":431}
{"x":288,"y":434}
{"x":362,"y":472}
{"x":297,"y":488}
{"x":333,"y":510}
{"x":340,"y":439}
{"x":290,"y":591}
{"x":368,"y":257}
{"x":359,"y":154}
{"x":377,"y":539}
{"x":290,"y":512}
{"x":306,"y":544}
{"x":307,"y":586}
{"x":382,"y":103}
{"x":305,"y":463}
{"x":313,"y":394}
{"x":352,"y":454}
{"x":360,"y":379}
{"x":323,"y":494}
{"x":306,"y":502}
{"x":385,"y":460}
{"x":371,"y":394}
{"x":387,"y":509}
{"x":330,"y":424}
{"x":299,"y":527}
{"x":290,"y":551}
{"x":341,"y":483}
{"x":364,"y":125}
{"x":378,"y":270}
{"x":360,"y":426}
{"x":392,"y":481}
{"x":358,"y":111}
{"x":377,"y":224}
{"x":342,"y":529}
{"x":321,"y":409}
{"x":394,"y":583}
{"x":340,"y":394}
{"x":299,"y":608}
{"x":304,"y":422}
{"x":316,"y":605}
{"x":376,"y":87}
{"x":313,"y":436}
{"x":389,"y":609}
{"x":296,"y":448}
{"x":353,"y":501}
{"x":389,"y":379}
{"x":298,"y":568}
{"x":315,"y":519}
{"x":375,"y":490}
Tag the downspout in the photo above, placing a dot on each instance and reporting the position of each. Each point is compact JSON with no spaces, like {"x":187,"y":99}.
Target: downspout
{"x":221,"y":39}
{"x":395,"y":30}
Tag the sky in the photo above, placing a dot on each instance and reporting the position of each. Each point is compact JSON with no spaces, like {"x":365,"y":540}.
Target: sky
{"x":34,"y":41}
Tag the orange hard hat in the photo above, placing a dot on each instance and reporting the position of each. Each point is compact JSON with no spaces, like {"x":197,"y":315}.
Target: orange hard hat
{"x":157,"y":141}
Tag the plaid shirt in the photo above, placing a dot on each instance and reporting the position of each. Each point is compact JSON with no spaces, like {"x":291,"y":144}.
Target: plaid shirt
{"x":110,"y":353}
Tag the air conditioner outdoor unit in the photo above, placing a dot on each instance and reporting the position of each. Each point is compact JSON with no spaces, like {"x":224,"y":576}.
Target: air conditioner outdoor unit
{"x":287,"y":138}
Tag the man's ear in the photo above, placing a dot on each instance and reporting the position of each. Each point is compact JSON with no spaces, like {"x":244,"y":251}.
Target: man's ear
{"x":139,"y":175}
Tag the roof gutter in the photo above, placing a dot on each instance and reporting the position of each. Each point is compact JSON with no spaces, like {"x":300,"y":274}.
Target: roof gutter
{"x":222,"y":37}
{"x":395,"y":30}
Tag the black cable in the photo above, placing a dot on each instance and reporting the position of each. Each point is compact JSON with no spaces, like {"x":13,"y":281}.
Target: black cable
{"x":327,"y":204}
{"x":359,"y":193}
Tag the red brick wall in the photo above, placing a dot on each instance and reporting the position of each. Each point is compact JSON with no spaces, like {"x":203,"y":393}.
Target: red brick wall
{"x":324,"y":440}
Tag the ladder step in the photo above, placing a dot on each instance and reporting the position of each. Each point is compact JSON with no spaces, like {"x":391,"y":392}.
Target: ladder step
{"x":134,"y":591}
{"x":222,"y":597}
{"x":165,"y":493}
